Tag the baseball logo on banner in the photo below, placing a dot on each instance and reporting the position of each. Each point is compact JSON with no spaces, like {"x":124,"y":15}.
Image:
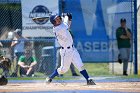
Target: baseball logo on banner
{"x":41,"y":12}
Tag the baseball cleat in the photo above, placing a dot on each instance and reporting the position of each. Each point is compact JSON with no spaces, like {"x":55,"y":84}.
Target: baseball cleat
{"x":125,"y":73}
{"x":48,"y":80}
{"x":90,"y":82}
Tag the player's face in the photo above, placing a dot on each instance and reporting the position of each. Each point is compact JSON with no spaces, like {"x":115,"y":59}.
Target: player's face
{"x":58,"y":20}
{"x":28,"y":54}
{"x":17,"y":35}
{"x":123,"y":24}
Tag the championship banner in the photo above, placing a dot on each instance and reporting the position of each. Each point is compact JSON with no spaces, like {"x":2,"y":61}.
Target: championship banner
{"x":38,"y":8}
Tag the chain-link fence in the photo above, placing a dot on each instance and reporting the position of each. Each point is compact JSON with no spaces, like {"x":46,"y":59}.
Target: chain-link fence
{"x":101,"y":46}
{"x":42,"y":51}
{"x":41,"y":48}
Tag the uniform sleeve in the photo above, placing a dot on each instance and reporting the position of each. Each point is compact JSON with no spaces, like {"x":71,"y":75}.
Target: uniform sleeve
{"x":22,"y":59}
{"x":118,"y":33}
{"x":34,"y":59}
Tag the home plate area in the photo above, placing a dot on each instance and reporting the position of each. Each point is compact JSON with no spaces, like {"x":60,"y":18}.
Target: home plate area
{"x":33,"y":87}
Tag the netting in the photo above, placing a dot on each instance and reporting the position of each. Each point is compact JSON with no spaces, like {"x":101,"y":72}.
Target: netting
{"x":96,"y":21}
{"x":93,"y":26}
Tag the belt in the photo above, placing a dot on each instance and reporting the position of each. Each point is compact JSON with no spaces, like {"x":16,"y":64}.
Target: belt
{"x":67,"y":47}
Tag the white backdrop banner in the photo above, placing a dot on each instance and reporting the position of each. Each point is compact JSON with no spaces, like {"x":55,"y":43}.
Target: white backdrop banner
{"x":38,"y":8}
{"x":138,"y":3}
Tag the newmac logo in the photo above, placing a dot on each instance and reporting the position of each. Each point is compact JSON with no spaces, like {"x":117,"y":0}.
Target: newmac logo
{"x":40,"y":14}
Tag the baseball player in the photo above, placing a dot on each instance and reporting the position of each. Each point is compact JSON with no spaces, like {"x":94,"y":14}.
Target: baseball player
{"x":67,"y":51}
{"x":124,"y":36}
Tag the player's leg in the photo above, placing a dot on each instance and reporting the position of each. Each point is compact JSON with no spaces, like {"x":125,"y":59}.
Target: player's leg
{"x":72,"y":68}
{"x":80,"y":66}
{"x":66,"y":59}
{"x":22,"y":71}
{"x":58,"y":60}
{"x":124,"y":52}
{"x":30,"y":71}
{"x":18,"y":54}
{"x":125,"y":61}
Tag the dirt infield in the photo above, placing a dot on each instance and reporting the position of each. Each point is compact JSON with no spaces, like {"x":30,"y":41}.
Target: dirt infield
{"x":33,"y":87}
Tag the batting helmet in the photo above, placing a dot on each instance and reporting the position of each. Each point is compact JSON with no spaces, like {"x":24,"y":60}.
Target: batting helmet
{"x":53,"y":17}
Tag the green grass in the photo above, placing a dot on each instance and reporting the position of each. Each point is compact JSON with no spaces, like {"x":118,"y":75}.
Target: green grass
{"x":94,"y":69}
{"x":131,"y":76}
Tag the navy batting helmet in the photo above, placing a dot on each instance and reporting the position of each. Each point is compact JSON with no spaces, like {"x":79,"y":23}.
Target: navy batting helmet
{"x":53,"y":17}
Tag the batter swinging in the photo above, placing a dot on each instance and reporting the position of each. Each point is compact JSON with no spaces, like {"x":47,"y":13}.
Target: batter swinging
{"x":68,"y":52}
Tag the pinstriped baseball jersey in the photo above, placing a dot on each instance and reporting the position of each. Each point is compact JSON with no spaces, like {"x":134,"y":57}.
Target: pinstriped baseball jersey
{"x":63,"y":35}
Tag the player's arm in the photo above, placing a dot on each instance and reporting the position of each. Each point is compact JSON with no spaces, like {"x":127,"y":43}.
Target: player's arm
{"x":21,"y":62}
{"x":124,"y":37}
{"x":120,"y":35}
{"x":1,"y":45}
{"x":127,"y":36}
{"x":128,"y":33}
{"x":67,"y":18}
{"x":31,"y":66}
{"x":14,"y":42}
{"x":33,"y":63}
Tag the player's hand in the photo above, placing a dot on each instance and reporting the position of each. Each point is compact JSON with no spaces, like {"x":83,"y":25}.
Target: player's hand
{"x":69,"y":16}
{"x":30,"y":66}
{"x":26,"y":66}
